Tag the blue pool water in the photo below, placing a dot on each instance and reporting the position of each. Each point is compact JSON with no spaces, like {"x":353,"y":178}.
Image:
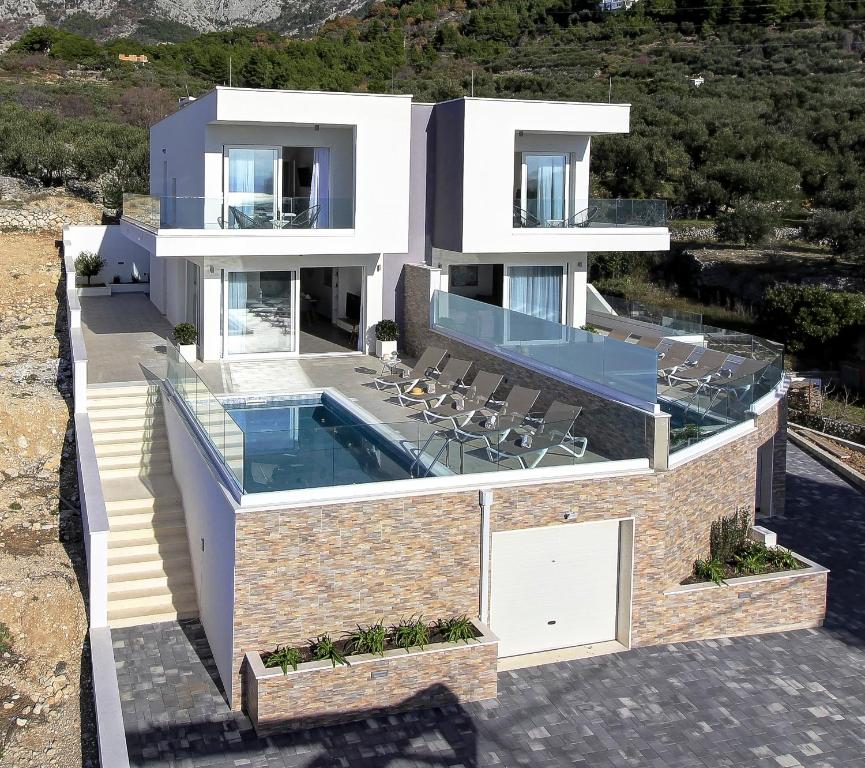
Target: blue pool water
{"x":311,"y":442}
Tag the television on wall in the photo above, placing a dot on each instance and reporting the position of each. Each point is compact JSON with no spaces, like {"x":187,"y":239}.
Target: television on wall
{"x":352,"y":306}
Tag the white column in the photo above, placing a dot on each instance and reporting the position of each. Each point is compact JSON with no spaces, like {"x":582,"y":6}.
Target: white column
{"x":211,"y":312}
{"x":374,"y":275}
{"x":577,"y":277}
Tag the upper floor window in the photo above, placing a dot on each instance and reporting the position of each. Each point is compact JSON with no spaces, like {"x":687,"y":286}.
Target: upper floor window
{"x":541,"y":184}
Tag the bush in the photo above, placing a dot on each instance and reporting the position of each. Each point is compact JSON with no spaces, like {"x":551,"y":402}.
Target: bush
{"x":386,"y":330}
{"x":729,"y":534}
{"x":5,"y":639}
{"x":709,"y":570}
{"x":88,"y":264}
{"x":184,"y":334}
{"x":843,"y":230}
{"x":808,"y":317}
{"x":747,"y":224}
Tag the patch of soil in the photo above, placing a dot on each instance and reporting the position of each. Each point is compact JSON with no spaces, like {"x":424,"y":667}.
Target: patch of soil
{"x":844,"y":453}
{"x":46,"y":710}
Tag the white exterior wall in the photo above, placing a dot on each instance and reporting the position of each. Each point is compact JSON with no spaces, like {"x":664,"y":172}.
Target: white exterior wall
{"x":122,"y":256}
{"x":210,"y":516}
{"x":490,"y":140}
{"x":179,"y":141}
{"x":574,"y":268}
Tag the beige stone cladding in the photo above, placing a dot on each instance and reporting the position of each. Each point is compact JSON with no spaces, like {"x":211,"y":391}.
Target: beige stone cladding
{"x":760,"y":605}
{"x":319,"y":694}
{"x":615,"y":431}
{"x":300,"y":572}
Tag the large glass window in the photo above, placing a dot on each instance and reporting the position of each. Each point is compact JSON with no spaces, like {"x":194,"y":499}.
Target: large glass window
{"x":536,"y":291}
{"x":251,"y":186}
{"x":540,"y":189}
{"x":260,"y":312}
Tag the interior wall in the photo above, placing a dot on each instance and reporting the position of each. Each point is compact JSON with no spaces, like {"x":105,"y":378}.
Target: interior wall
{"x":347,"y":280}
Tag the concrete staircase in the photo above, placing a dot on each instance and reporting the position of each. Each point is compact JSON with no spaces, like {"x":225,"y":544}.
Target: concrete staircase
{"x":149,"y":567}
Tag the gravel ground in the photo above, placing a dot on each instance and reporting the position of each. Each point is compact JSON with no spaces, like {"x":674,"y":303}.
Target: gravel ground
{"x":46,"y":715}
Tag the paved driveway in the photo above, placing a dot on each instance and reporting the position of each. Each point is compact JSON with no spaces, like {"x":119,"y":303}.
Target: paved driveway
{"x":788,"y":699}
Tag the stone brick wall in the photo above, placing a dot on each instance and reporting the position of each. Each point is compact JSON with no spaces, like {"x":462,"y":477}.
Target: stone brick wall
{"x":301,"y":572}
{"x":742,"y":607}
{"x":614,"y":431}
{"x":319,"y":694}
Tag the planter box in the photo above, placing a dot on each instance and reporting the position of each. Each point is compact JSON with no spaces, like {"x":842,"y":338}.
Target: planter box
{"x":94,"y":290}
{"x":130,"y":288}
{"x":385,"y":348}
{"x":745,"y":605}
{"x":188,"y":352}
{"x":319,"y":694}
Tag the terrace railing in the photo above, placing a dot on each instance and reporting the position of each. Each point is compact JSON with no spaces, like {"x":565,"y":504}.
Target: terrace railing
{"x":238,"y":211}
{"x":612,"y":368}
{"x":597,"y":212}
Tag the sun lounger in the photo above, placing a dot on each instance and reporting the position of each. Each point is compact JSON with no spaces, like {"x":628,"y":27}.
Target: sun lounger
{"x":458,"y":407}
{"x":450,"y":380}
{"x":555,"y":431}
{"x":430,"y":360}
{"x":709,"y":362}
{"x":489,"y":427}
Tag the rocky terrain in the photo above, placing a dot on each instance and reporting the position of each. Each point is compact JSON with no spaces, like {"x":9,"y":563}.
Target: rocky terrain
{"x":46,"y":716}
{"x":117,"y":18}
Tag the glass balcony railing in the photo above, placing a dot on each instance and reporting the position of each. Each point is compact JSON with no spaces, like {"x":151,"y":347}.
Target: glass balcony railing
{"x":617,"y":366}
{"x":239,"y":211}
{"x":674,"y":322}
{"x":594,"y":212}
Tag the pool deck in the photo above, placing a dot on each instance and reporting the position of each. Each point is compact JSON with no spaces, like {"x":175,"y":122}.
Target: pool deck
{"x":125,"y":336}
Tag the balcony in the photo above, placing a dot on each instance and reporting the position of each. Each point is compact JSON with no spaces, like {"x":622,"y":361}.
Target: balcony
{"x":236,"y":211}
{"x":594,"y":212}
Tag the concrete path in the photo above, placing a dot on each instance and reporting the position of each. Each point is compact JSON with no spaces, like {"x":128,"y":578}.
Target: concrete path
{"x":791,"y":699}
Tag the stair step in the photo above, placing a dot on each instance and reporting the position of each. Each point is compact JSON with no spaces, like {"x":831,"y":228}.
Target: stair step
{"x":136,"y":521}
{"x":121,"y":390}
{"x":126,"y":412}
{"x":137,"y":434}
{"x":157,"y":470}
{"x":159,"y":535}
{"x":152,"y":604}
{"x":134,"y":459}
{"x":134,"y":506}
{"x":150,"y":569}
{"x":147,"y":551}
{"x":177,"y":586}
{"x":152,"y":618}
{"x":143,"y":400}
{"x":133,"y":447}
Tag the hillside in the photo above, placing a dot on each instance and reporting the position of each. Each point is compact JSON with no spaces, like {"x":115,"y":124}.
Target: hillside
{"x":166,"y":20}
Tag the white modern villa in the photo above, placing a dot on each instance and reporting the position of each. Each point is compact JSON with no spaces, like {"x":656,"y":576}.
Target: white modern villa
{"x":542,"y":460}
{"x":314,"y":202}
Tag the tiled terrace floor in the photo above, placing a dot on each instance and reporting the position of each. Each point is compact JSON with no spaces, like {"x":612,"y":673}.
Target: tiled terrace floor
{"x":791,"y":699}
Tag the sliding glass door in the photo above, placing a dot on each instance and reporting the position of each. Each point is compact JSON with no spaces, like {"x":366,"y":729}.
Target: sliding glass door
{"x":544,"y":189}
{"x":251,"y":187}
{"x":260,"y":313}
{"x":537,"y":291}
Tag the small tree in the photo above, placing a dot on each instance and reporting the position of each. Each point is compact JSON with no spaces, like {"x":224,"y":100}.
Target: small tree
{"x":88,"y":264}
{"x":746,"y":224}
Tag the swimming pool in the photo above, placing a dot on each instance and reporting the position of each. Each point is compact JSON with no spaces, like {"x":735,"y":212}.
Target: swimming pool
{"x":312,"y":441}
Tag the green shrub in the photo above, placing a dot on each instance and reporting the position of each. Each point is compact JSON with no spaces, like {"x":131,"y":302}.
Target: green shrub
{"x":369,"y":639}
{"x":710,"y":570}
{"x":728,"y":535}
{"x":810,"y":317}
{"x":751,"y":558}
{"x":184,"y":334}
{"x":782,"y":559}
{"x":322,"y":647}
{"x":456,"y":629}
{"x":88,"y":264}
{"x":5,"y":639}
{"x":411,"y":633}
{"x":386,"y":330}
{"x":284,"y":658}
{"x":747,"y":223}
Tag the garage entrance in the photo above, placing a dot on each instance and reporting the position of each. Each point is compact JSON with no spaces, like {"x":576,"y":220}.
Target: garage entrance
{"x":561,"y":586}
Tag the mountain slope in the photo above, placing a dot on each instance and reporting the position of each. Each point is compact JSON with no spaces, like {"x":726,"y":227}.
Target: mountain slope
{"x":115,"y":18}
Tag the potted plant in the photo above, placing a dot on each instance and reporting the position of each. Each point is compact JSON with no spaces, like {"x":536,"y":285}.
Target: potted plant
{"x":185,"y":335}
{"x":386,"y":335}
{"x":89,"y":264}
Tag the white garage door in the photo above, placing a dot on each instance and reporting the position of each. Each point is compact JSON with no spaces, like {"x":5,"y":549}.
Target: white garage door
{"x":554,"y":587}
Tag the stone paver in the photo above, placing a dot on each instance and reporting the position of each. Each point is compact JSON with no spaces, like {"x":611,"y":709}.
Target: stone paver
{"x":786,"y":699}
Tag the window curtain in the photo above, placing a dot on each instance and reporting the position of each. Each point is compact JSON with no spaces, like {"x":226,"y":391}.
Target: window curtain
{"x":319,"y":192}
{"x":549,"y":187}
{"x":241,"y":180}
{"x":237,"y":312}
{"x":536,"y":291}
